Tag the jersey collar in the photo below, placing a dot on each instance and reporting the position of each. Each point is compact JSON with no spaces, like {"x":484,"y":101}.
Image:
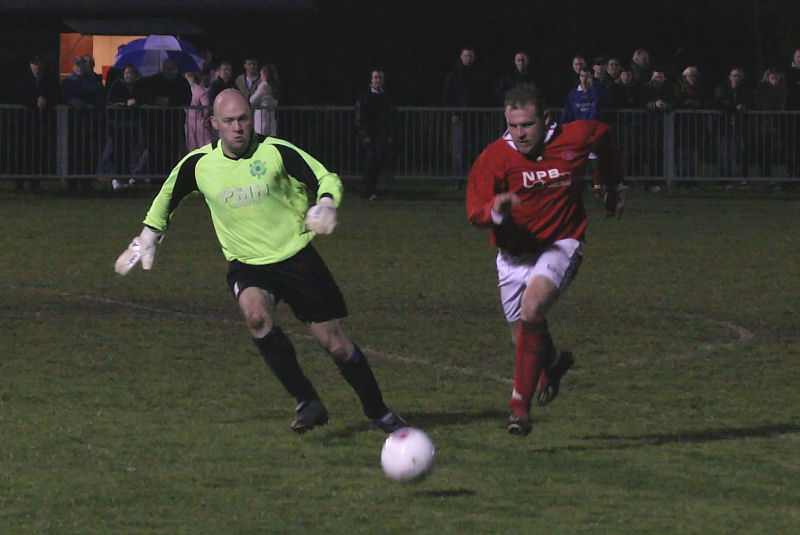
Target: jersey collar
{"x":548,"y":136}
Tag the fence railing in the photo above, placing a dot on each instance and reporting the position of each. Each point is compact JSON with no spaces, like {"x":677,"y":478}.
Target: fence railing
{"x":146,"y":142}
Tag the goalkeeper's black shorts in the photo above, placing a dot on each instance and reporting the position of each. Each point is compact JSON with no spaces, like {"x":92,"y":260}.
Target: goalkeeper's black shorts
{"x":303,"y":281}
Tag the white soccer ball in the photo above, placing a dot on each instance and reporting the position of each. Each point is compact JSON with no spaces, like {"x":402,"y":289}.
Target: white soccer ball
{"x":407,"y":455}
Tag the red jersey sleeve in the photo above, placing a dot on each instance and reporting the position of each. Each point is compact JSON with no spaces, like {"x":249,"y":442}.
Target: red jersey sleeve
{"x":485,"y":180}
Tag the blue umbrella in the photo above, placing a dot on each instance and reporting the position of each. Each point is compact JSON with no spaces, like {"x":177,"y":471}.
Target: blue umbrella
{"x":148,"y":54}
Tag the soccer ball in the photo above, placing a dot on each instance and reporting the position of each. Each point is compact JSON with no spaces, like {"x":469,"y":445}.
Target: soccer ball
{"x":407,"y":455}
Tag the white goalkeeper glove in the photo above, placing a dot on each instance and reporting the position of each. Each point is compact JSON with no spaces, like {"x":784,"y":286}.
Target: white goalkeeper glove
{"x":321,"y":218}
{"x":142,"y":249}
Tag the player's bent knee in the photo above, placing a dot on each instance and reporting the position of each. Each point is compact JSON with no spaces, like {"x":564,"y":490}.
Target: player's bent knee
{"x":335,"y":346}
{"x":332,"y":339}
{"x":258,"y":322}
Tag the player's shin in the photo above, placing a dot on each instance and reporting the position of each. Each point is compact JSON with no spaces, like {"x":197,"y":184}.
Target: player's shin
{"x":358,"y":374}
{"x":279,"y":354}
{"x":534,"y":352}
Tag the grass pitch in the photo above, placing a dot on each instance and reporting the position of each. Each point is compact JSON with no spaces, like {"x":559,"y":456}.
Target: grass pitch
{"x":139,"y":404}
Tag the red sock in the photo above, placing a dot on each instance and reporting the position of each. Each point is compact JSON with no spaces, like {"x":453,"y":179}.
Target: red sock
{"x":534,"y":353}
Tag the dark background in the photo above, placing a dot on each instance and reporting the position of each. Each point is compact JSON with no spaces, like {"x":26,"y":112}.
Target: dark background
{"x":325,"y":53}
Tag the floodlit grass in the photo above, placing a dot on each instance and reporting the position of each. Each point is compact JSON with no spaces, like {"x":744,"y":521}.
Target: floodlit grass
{"x":139,"y":404}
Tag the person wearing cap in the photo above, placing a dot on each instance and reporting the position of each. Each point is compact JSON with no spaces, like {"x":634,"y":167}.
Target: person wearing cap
{"x":84,"y":93}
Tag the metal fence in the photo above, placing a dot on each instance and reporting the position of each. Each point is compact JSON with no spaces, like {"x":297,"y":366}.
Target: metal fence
{"x":116,"y":142}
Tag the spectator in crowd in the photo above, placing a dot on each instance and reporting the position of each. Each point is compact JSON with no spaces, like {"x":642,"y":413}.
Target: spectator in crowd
{"x":599,"y":64}
{"x":114,"y":73}
{"x":770,"y":96}
{"x":625,"y":94}
{"x":770,"y":93}
{"x":586,"y":101}
{"x":265,"y":100}
{"x":207,"y":72}
{"x":79,"y":89}
{"x":373,"y":123}
{"x":84,"y":94}
{"x":522,"y":73}
{"x":223,"y":80}
{"x":125,"y":95}
{"x":164,"y":126}
{"x":657,"y":99}
{"x":524,"y":189}
{"x":601,"y":79}
{"x":268,"y":246}
{"x":248,"y":81}
{"x":792,"y":77}
{"x":640,"y":67}
{"x":198,"y":116}
{"x":128,"y":89}
{"x":570,"y":80}
{"x":734,"y":99}
{"x":37,"y":90}
{"x":578,"y":64}
{"x":657,"y":95}
{"x":90,"y":66}
{"x":613,"y":68}
{"x":464,"y":86}
{"x":690,"y":94}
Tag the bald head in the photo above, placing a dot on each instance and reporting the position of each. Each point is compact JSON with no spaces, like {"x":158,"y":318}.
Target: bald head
{"x":229,"y":97}
{"x":233,"y":120}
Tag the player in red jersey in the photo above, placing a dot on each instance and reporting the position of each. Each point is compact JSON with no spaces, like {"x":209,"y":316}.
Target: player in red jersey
{"x":526,"y":187}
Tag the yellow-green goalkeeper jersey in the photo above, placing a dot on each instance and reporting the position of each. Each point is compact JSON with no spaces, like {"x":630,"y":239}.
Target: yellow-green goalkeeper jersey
{"x":258,"y":202}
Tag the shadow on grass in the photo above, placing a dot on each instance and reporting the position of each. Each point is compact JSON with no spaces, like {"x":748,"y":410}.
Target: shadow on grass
{"x":621,"y":442}
{"x":424,"y":420}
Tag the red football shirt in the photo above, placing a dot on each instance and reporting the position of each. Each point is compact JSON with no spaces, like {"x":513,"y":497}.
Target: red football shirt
{"x":549,"y":187}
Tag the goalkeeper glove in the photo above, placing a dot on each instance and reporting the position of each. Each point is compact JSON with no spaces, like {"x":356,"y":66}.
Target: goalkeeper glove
{"x":321,"y":218}
{"x":142,"y":249}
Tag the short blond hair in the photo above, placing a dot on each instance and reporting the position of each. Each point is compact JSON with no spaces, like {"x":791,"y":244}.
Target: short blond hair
{"x":523,"y":95}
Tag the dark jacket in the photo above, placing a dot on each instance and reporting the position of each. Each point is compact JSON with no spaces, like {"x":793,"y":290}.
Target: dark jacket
{"x":176,"y":89}
{"x":793,"y":88}
{"x":464,"y":87}
{"x":625,"y":96}
{"x":727,"y":98}
{"x":373,"y":114}
{"x":690,"y":97}
{"x":30,"y":88}
{"x":767,"y":97}
{"x":513,"y":79}
{"x":641,"y":75}
{"x":120,"y":91}
{"x":652,"y":94}
{"x":82,"y":91}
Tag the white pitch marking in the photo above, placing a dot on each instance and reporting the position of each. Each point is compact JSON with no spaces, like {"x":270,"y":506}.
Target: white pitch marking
{"x":178,"y":313}
{"x":742,"y":335}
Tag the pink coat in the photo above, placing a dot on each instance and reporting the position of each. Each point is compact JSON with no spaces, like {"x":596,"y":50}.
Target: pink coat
{"x":198,"y":122}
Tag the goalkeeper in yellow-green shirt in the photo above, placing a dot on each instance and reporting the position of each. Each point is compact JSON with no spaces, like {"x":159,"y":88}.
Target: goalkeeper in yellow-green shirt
{"x":268,"y":199}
